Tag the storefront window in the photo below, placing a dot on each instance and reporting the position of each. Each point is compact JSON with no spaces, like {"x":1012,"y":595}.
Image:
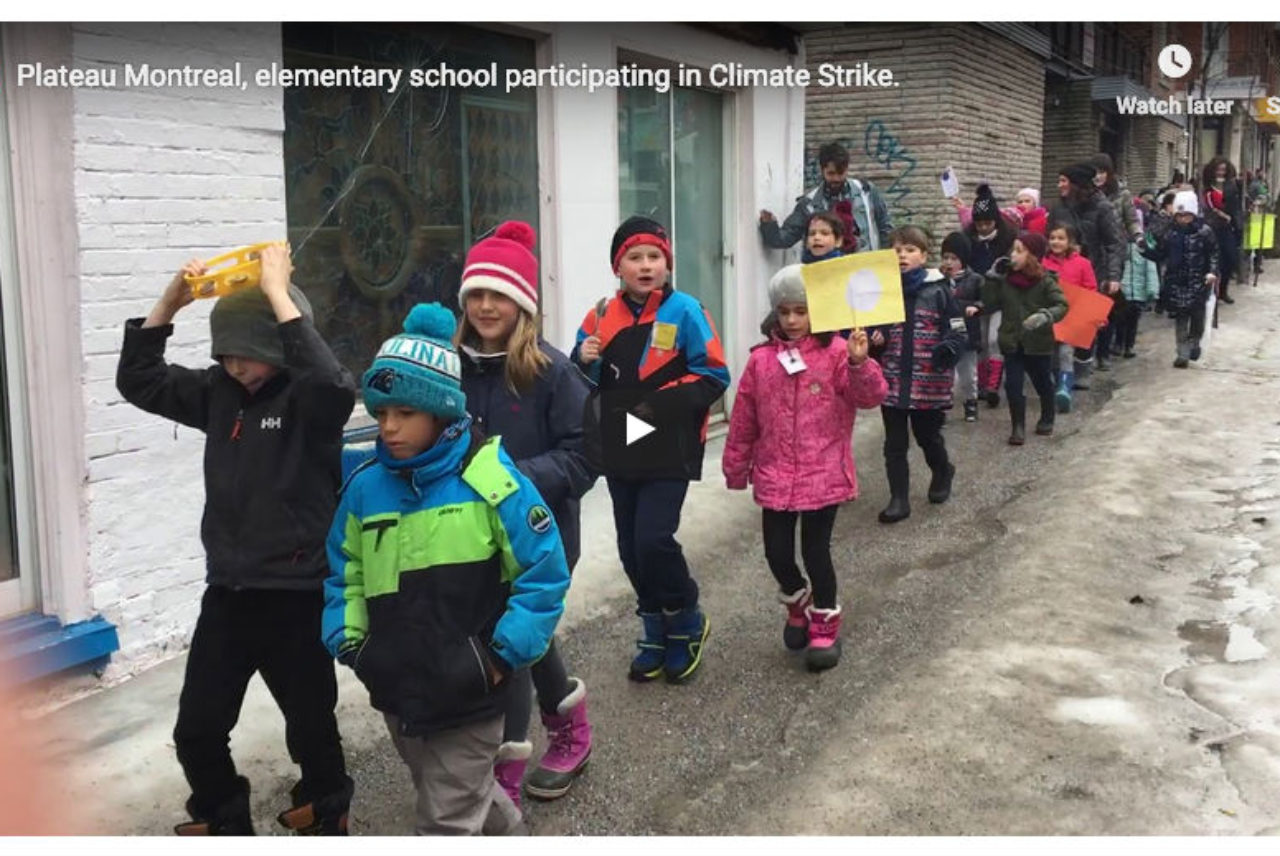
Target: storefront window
{"x":387,"y":190}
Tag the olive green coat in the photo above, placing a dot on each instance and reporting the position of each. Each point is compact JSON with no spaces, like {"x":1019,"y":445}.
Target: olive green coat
{"x":1015,"y":304}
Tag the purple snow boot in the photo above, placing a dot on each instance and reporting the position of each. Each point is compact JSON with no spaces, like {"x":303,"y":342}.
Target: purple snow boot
{"x":568,"y":746}
{"x":508,"y":768}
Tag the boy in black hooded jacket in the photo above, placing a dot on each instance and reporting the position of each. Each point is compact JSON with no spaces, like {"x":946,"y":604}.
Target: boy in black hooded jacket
{"x":272,"y":411}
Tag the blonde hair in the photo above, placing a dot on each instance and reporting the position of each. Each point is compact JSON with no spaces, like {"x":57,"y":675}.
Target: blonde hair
{"x":525,"y":361}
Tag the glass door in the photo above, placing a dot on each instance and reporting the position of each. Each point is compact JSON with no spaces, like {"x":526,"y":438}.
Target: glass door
{"x":672,"y":165}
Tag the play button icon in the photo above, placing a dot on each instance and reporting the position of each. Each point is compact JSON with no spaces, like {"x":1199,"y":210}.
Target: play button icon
{"x":626,"y":436}
{"x":637,"y":429}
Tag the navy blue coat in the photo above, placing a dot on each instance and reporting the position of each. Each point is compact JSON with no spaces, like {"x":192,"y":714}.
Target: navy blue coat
{"x":541,"y":430}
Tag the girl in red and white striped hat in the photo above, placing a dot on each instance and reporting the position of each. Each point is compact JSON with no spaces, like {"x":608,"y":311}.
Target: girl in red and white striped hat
{"x":523,"y":389}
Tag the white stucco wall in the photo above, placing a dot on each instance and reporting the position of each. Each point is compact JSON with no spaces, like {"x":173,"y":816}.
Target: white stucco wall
{"x":161,"y":176}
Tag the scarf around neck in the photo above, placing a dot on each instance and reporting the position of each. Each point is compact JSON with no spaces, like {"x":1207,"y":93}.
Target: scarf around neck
{"x":913,"y":281}
{"x":1018,"y":279}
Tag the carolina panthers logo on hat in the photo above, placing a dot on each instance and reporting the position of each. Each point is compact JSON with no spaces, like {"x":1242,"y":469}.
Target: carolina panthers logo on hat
{"x":382,"y":380}
{"x":539,"y":519}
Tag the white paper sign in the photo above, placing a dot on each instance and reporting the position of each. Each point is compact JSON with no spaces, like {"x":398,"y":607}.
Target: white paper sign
{"x":1209,"y":306}
{"x":950,"y":184}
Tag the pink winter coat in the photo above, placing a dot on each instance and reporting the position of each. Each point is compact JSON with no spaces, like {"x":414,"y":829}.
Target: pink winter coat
{"x":790,"y":435}
{"x":1073,"y":269}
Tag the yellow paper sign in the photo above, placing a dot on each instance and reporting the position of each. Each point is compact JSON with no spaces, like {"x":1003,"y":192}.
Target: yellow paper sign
{"x":664,"y":336}
{"x":1260,"y":232}
{"x":860,"y":290}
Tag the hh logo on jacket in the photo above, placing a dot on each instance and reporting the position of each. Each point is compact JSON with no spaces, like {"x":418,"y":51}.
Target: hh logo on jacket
{"x":275,"y":422}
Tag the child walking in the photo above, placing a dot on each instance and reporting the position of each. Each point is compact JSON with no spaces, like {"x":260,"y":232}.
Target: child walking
{"x":1140,"y":285}
{"x":790,"y":438}
{"x":522,"y":389}
{"x":1064,"y":259}
{"x":447,"y":575}
{"x":1190,"y":252}
{"x":825,"y":238}
{"x":1031,"y":302}
{"x":1035,"y":217}
{"x":918,"y":356}
{"x":966,"y":288}
{"x":272,"y":411}
{"x":990,"y":231}
{"x":658,"y":344}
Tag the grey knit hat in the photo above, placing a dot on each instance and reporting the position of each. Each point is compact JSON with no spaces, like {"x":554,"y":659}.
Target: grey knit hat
{"x":787,"y":286}
{"x":243,"y":324}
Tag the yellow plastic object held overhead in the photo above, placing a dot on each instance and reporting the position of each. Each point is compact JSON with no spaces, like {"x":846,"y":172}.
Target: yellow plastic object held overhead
{"x":240,"y":268}
{"x":1260,"y":232}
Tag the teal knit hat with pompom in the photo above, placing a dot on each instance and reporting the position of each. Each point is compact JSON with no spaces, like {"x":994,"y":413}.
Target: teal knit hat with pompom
{"x":418,"y":368}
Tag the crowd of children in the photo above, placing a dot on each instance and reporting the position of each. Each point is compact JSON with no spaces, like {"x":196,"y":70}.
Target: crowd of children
{"x":437,"y":569}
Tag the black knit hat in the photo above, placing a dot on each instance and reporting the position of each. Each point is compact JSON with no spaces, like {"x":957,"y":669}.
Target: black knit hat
{"x":639,"y":230}
{"x":1080,"y":174}
{"x":243,"y":324}
{"x":958,"y":245}
{"x":985,"y":206}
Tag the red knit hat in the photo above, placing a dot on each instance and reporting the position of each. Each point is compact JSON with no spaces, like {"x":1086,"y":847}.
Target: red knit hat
{"x":1035,"y":243}
{"x":639,"y":230}
{"x":505,"y":263}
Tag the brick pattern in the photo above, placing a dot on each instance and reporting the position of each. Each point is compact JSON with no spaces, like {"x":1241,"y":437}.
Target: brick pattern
{"x":1070,"y":132}
{"x":1148,"y":162}
{"x":966,"y":98}
{"x":162,"y":176}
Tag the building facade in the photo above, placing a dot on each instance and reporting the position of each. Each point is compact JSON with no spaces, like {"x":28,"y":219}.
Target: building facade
{"x":107,"y":191}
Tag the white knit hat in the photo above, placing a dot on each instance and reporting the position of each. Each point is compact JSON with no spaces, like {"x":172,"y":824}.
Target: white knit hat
{"x":1186,"y":202}
{"x":787,"y":286}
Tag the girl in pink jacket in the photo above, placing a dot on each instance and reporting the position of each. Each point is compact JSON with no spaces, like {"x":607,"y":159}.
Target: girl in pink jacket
{"x":790,"y":436}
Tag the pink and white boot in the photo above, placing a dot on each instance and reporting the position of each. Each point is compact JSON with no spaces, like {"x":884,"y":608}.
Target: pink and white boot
{"x":824,"y":639}
{"x":568,"y":746}
{"x":508,"y":768}
{"x":795,"y":633}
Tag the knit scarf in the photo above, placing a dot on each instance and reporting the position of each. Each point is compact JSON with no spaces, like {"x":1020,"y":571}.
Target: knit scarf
{"x":913,"y":281}
{"x":1018,"y":279}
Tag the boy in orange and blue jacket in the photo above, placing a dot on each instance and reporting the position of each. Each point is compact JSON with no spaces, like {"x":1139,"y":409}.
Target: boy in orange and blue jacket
{"x":653,"y":352}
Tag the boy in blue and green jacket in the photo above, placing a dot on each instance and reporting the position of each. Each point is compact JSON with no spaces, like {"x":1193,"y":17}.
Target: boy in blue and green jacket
{"x":447,"y":574}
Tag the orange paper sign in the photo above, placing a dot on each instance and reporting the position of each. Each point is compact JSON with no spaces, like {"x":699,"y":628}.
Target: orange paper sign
{"x":1086,"y":312}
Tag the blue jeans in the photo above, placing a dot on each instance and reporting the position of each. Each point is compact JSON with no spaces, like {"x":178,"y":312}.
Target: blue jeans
{"x":647,"y":515}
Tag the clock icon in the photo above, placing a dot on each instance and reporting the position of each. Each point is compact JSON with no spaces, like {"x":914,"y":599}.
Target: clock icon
{"x":1174,"y":61}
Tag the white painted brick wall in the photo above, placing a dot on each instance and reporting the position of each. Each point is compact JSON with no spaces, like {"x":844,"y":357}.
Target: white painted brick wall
{"x":162,"y":176}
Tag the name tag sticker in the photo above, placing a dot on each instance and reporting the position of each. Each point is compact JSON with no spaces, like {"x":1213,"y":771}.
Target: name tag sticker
{"x":664,"y":336}
{"x":957,"y":324}
{"x":792,"y":361}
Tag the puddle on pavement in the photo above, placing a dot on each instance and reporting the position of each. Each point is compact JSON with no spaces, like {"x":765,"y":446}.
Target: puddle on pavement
{"x":1225,"y":643}
{"x":1206,"y":639}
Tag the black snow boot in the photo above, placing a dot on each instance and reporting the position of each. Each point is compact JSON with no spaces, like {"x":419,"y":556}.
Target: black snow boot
{"x":1018,"y":419}
{"x":324,"y":816}
{"x":230,"y":818}
{"x":899,"y":507}
{"x":940,"y":484}
{"x":1047,"y":412}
